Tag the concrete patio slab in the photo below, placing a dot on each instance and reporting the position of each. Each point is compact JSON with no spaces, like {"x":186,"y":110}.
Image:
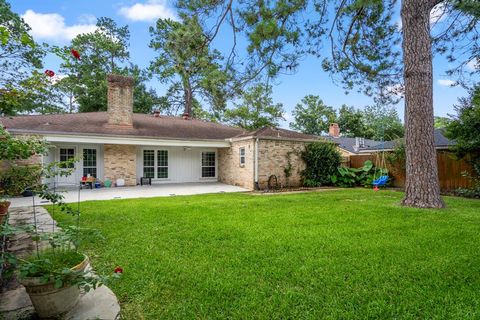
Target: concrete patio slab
{"x":159,"y":190}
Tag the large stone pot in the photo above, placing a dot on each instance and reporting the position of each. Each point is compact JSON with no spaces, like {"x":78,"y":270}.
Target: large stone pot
{"x":4,"y":205}
{"x":50,"y":302}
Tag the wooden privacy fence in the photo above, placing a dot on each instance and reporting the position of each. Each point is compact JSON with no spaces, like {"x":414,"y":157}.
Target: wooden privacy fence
{"x":449,"y":170}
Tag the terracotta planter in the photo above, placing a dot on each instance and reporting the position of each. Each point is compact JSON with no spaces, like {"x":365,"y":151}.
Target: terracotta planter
{"x":4,"y":205}
{"x":50,"y":302}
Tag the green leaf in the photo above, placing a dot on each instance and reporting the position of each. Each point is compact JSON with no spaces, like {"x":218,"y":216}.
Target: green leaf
{"x":58,"y":283}
{"x":4,"y":35}
{"x":367,"y":165}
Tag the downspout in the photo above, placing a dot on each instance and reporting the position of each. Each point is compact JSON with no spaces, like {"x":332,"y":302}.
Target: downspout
{"x":255,"y":169}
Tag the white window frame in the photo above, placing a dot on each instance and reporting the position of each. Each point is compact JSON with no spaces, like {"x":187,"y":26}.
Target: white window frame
{"x":88,"y":167}
{"x":144,"y":166}
{"x":163,"y":166}
{"x":155,"y":163}
{"x":242,"y":157}
{"x":214,"y":166}
{"x":74,"y":166}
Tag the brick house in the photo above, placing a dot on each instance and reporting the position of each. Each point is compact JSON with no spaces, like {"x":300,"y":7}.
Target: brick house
{"x":119,"y":144}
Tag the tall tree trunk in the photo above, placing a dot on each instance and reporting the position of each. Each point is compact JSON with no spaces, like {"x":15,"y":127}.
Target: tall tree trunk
{"x":188,"y":96}
{"x":422,"y":189}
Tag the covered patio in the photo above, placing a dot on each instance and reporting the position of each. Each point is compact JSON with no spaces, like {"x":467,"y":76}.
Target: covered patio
{"x":158,"y":190}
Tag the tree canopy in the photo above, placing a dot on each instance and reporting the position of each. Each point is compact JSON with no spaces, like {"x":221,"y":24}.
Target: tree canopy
{"x":186,"y":62}
{"x":351,"y":122}
{"x":19,"y":56}
{"x":464,"y":127}
{"x":256,"y":109}
{"x":312,"y":116}
{"x":102,"y":51}
{"x":382,"y":123}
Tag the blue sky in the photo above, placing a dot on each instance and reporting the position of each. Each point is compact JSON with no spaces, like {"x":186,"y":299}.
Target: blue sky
{"x":56,"y":22}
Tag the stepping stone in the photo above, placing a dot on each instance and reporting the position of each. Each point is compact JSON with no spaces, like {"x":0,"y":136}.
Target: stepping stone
{"x":15,"y":304}
{"x":100,"y":303}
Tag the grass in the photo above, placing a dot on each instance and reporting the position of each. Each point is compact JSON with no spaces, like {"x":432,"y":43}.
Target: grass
{"x":345,"y":254}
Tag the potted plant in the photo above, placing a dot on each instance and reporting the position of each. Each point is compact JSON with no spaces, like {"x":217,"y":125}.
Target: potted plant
{"x":55,"y":275}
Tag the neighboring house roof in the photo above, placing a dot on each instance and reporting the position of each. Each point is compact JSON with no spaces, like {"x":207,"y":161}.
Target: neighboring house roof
{"x":277,"y":133}
{"x":350,"y":144}
{"x":441,"y":142}
{"x":96,"y":123}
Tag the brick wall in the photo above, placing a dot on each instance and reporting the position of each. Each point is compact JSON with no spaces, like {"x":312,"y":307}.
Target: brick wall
{"x":120,"y":100}
{"x":229,"y":169}
{"x":120,"y":162}
{"x":33,"y":160}
{"x":273,"y":159}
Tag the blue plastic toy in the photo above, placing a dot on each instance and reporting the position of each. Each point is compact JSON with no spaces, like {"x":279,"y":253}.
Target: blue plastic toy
{"x":380,"y":181}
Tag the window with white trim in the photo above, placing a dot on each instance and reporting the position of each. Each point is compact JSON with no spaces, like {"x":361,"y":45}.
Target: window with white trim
{"x":242,"y":156}
{"x":149,"y":163}
{"x":90,"y":162}
{"x":208,"y":164}
{"x":162,"y":164}
{"x":155,"y":164}
{"x":67,"y":154}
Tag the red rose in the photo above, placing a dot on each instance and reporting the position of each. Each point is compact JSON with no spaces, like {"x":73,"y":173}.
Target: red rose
{"x":75,"y":54}
{"x":118,"y":270}
{"x":49,"y":73}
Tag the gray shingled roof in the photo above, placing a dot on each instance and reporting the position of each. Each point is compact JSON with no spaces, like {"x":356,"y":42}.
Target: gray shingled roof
{"x":269,"y":132}
{"x":349,"y":144}
{"x":441,"y":142}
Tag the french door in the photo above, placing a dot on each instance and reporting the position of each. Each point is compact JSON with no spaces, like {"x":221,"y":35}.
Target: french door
{"x":65,"y":154}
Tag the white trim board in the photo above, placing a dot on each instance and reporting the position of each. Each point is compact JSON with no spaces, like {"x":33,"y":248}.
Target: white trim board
{"x":136,"y":141}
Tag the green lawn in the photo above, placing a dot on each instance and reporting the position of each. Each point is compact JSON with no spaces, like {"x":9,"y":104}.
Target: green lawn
{"x":345,"y":254}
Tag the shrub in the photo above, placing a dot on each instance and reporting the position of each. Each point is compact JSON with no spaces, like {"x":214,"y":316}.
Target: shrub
{"x":364,"y":176}
{"x":474,"y":191}
{"x":322,"y":160}
{"x":397,"y":157}
{"x":345,"y":177}
{"x":17,"y":179}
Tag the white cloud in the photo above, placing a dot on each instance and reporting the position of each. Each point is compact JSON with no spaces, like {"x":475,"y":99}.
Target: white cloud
{"x":149,"y":11}
{"x":399,"y":24}
{"x":438,"y":13}
{"x":473,"y":64}
{"x":446,"y":82}
{"x":87,"y":19}
{"x":51,"y":26}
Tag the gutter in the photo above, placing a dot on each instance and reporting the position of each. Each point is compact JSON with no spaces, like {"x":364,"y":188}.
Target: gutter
{"x":255,"y":168}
